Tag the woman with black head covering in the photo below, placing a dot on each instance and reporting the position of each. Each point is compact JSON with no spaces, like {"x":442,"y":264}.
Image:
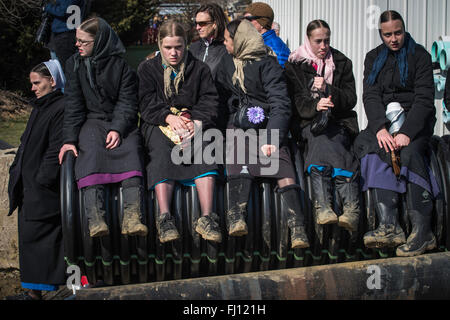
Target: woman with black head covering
{"x":100,"y":125}
{"x":34,"y":186}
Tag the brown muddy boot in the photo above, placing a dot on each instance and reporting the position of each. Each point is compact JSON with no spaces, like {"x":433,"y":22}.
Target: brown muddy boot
{"x":321,"y":189}
{"x":94,"y":207}
{"x":132,"y":209}
{"x":389,"y":232}
{"x":291,"y":200}
{"x":420,"y":207}
{"x":239,"y":193}
{"x":208,"y":227}
{"x":165,"y":225}
{"x":348,"y":190}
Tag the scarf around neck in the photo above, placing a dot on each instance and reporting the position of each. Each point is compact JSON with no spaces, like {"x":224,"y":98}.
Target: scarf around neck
{"x":409,"y":47}
{"x":172,"y":73}
{"x":305,"y":53}
{"x":248,"y":45}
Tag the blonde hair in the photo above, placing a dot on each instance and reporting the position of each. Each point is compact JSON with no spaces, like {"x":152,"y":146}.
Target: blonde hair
{"x":172,"y":28}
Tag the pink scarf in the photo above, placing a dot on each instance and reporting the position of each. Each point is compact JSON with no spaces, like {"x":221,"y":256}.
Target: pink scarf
{"x":304,"y":52}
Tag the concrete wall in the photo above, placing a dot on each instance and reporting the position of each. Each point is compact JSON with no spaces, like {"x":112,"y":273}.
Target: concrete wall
{"x":9,"y":245}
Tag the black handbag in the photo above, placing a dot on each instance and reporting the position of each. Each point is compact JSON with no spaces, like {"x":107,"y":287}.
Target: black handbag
{"x":320,"y":121}
{"x":249,"y":116}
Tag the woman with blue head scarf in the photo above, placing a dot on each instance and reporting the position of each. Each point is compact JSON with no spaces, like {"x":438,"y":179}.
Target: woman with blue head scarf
{"x":398,"y":75}
{"x":34,"y":185}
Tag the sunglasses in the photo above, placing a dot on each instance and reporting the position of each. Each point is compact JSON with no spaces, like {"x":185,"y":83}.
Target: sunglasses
{"x":203,"y":23}
{"x":251,"y":18}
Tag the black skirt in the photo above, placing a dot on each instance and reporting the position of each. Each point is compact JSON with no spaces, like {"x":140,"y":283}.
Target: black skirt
{"x":161,"y":166}
{"x":279,"y":165}
{"x":333,"y":148}
{"x":93,"y":157}
{"x":41,"y":251}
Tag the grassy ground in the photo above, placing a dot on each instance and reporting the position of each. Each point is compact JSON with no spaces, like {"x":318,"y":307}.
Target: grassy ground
{"x":11,"y":130}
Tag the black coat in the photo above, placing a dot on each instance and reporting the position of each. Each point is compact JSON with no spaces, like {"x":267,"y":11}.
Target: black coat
{"x":216,"y":50}
{"x":300,"y":77}
{"x":200,"y":97}
{"x":114,"y":100}
{"x":266,"y":87}
{"x":33,"y":182}
{"x":417,"y":97}
{"x":447,"y":93}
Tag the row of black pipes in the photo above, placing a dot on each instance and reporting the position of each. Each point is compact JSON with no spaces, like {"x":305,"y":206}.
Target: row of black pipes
{"x":118,"y":259}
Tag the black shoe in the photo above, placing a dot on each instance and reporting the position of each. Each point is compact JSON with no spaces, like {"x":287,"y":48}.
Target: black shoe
{"x":321,"y":191}
{"x":208,"y":227}
{"x":167,"y":231}
{"x":238,"y":197}
{"x":95,"y":211}
{"x":348,"y":190}
{"x":389,"y":232}
{"x":420,"y":207}
{"x":132,"y":212}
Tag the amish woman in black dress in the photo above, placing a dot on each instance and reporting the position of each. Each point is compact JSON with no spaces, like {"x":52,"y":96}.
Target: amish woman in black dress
{"x":176,"y":93}
{"x":100,"y":126}
{"x":250,"y":73}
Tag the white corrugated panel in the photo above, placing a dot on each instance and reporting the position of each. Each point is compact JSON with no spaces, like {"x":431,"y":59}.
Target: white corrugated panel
{"x":353,"y":25}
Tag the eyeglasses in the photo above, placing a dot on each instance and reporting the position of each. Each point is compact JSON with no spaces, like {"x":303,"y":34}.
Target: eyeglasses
{"x":203,"y":23}
{"x":83,"y":42}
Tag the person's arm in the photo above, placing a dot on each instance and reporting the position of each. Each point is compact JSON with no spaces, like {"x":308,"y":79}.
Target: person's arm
{"x":153,"y":109}
{"x":373,"y":98}
{"x":300,"y":94}
{"x":344,"y":96}
{"x":49,"y":167}
{"x":59,"y":8}
{"x":75,"y":106}
{"x":423,"y":106}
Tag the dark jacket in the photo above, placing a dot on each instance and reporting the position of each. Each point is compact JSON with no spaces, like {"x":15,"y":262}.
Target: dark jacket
{"x":417,"y":97}
{"x":211,"y":55}
{"x":112,"y":96}
{"x":33,"y":181}
{"x":266,"y":87}
{"x":447,"y":93}
{"x":196,"y":93}
{"x":58,"y":10}
{"x":300,"y":78}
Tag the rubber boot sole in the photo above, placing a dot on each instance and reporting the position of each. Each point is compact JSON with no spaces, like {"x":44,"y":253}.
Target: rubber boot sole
{"x":238,"y":229}
{"x":393,"y":241}
{"x":427,"y":245}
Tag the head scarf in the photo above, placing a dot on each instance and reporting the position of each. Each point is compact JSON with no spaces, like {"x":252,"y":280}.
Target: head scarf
{"x":409,"y":47}
{"x":305,"y":53}
{"x":175,"y":73}
{"x":248,"y":45}
{"x":57,"y":73}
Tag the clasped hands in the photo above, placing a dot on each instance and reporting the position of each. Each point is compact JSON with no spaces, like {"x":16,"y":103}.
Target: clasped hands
{"x":390,"y":143}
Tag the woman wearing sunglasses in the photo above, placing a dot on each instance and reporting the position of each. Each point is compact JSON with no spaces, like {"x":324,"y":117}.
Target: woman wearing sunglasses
{"x":100,"y":126}
{"x":210,"y":23}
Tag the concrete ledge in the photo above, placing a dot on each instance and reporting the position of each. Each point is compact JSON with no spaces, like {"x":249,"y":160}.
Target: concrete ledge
{"x":422,"y":277}
{"x":9,"y":247}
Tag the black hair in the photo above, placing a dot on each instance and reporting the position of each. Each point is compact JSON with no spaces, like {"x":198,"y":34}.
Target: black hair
{"x":315,"y":24}
{"x":390,"y":15}
{"x":232,"y":27}
{"x":42,"y":69}
{"x":218,"y":17}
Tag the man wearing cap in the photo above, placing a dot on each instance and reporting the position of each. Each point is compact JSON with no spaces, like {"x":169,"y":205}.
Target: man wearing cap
{"x":261,"y":16}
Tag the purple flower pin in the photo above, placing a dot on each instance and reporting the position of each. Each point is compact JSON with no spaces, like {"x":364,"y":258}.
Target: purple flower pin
{"x":255,"y":114}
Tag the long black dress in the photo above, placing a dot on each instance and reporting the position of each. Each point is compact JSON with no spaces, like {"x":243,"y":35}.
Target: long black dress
{"x":34,"y":189}
{"x":197,"y":93}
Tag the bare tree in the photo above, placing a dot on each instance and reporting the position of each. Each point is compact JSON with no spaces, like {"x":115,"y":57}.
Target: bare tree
{"x":13,"y":12}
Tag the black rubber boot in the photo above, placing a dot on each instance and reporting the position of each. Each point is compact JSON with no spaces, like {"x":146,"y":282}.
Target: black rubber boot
{"x":296,"y":222}
{"x":321,"y":189}
{"x":348,"y":191}
{"x":208,"y":227}
{"x":132,"y":208}
{"x":239,"y":193}
{"x":94,"y":204}
{"x":165,"y":225}
{"x":419,"y":209}
{"x":389,"y":232}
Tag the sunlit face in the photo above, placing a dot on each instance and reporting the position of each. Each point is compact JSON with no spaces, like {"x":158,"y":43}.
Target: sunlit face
{"x":172,"y":49}
{"x":228,"y":42}
{"x":393,"y":34}
{"x":84,"y":43}
{"x":40,"y":85}
{"x":320,"y":42}
{"x":205,"y":25}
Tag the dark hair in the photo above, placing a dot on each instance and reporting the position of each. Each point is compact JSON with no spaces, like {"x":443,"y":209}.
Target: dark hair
{"x":315,"y":24}
{"x":218,"y":17}
{"x":232,"y":27}
{"x":390,"y":15}
{"x":42,"y":69}
{"x":90,"y":26}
